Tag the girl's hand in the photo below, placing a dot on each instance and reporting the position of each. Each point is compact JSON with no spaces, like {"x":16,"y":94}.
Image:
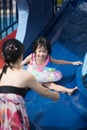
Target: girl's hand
{"x":77,"y":63}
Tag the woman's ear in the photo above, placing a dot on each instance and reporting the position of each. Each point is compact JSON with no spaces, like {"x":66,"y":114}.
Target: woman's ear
{"x":2,"y":54}
{"x":21,"y":57}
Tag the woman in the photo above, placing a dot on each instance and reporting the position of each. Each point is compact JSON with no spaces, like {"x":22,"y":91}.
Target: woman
{"x":14,"y":82}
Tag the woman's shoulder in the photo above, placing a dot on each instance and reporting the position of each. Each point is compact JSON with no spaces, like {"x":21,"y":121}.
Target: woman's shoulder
{"x":26,"y":74}
{"x":27,"y":77}
{"x":0,"y":71}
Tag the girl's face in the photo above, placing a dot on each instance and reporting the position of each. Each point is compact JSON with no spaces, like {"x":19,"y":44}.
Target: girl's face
{"x":41,"y":52}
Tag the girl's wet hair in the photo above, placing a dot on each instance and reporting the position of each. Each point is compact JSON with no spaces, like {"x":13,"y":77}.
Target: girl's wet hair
{"x":42,"y":41}
{"x":12,"y":49}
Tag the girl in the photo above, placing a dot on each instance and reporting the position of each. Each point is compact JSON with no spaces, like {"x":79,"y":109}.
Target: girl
{"x":37,"y":62}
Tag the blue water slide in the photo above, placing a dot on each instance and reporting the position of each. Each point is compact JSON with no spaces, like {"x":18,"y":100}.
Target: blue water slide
{"x":67,"y":32}
{"x":33,"y":17}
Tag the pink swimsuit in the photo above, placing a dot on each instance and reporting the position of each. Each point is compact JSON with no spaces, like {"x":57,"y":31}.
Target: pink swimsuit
{"x":43,"y":73}
{"x":35,"y":67}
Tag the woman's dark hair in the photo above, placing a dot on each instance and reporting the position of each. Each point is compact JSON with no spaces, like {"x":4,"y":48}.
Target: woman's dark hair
{"x":11,"y":50}
{"x":42,"y":41}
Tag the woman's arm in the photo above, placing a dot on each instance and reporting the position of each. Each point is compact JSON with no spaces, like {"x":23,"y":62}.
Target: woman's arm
{"x":65,"y":62}
{"x":36,"y":86}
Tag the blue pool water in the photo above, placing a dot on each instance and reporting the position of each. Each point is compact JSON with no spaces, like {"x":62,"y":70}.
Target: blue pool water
{"x":44,"y":114}
{"x":70,"y":112}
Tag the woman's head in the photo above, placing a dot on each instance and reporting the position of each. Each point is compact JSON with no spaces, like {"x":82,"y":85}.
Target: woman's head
{"x":42,"y":42}
{"x":12,"y":49}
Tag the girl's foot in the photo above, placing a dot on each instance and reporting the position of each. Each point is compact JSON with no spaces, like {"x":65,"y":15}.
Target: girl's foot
{"x":71,"y":91}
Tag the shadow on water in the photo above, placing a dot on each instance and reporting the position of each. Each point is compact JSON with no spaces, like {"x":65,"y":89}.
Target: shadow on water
{"x":33,"y":127}
{"x":70,"y":28}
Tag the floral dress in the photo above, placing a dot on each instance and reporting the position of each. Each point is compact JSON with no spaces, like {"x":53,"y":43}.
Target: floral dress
{"x":13,"y":114}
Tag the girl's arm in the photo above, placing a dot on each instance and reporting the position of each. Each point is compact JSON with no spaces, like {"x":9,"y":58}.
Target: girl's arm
{"x":36,"y":86}
{"x":26,"y":60}
{"x":65,"y":62}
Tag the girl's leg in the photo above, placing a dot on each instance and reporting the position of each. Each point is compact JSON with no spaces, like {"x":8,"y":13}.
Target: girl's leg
{"x":60,"y":88}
